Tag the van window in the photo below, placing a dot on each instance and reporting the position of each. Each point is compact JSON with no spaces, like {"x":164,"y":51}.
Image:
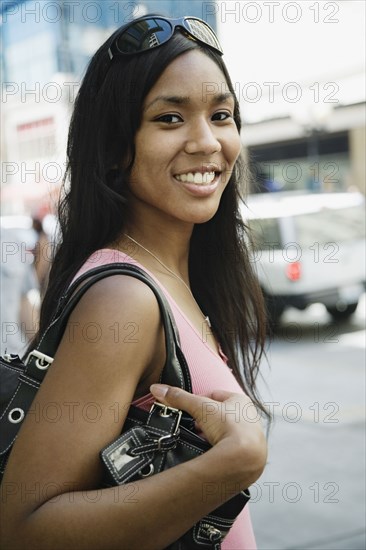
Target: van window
{"x":265,"y":233}
{"x":330,"y":225}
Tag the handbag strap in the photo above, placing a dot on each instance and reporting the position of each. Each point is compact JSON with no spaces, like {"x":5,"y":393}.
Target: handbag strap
{"x":175,"y":371}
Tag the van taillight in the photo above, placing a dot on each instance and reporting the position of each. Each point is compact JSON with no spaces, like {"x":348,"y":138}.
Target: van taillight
{"x":293,"y":271}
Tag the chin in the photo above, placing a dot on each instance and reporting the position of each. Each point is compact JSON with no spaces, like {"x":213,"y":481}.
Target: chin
{"x":204,"y":217}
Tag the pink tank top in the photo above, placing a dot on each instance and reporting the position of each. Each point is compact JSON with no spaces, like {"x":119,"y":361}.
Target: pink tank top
{"x":208,"y":370}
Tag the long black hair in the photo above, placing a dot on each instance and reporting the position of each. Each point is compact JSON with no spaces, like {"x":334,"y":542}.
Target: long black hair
{"x":93,"y":211}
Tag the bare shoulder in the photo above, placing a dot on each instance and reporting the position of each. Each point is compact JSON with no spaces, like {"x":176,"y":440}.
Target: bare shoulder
{"x":119,"y":295}
{"x":117,"y":317}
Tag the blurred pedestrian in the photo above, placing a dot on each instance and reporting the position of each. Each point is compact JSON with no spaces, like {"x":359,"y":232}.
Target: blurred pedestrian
{"x":42,"y":256}
{"x":19,"y":290}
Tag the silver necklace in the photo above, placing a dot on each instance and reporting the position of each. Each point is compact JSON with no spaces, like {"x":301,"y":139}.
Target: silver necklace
{"x":206,"y":317}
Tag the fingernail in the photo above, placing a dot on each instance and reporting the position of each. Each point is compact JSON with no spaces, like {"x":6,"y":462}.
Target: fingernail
{"x":159,"y":390}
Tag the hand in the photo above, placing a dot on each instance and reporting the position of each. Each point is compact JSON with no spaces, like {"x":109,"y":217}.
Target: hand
{"x":225,"y":418}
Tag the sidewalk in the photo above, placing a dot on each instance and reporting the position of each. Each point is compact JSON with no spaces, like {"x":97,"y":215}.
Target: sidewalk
{"x":312,"y":493}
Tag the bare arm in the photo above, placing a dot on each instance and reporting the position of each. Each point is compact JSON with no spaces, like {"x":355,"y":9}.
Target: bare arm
{"x":50,"y":496}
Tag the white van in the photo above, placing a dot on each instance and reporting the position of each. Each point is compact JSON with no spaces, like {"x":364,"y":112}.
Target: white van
{"x":308,"y":248}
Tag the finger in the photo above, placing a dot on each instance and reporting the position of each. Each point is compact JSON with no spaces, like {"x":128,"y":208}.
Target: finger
{"x":223,"y":395}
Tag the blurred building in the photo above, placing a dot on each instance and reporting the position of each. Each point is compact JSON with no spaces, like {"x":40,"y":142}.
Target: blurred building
{"x":287,"y":153}
{"x":298,"y":69}
{"x":45,"y":48}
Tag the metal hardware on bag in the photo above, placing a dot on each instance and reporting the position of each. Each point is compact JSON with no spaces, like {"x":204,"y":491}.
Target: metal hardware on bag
{"x":161,"y":439}
{"x":214,"y":534}
{"x":7,"y":357}
{"x":163,"y":413}
{"x":165,"y":409}
{"x":14,"y":419}
{"x":43,"y":361}
{"x":149,"y":473}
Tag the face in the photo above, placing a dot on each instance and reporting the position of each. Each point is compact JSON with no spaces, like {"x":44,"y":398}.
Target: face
{"x":187,"y":143}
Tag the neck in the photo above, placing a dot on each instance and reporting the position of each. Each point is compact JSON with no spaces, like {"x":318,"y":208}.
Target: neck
{"x":169,"y":245}
{"x":180,"y":278}
{"x":164,"y":248}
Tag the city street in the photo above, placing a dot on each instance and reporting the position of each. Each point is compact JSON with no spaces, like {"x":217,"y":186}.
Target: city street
{"x":312,"y":493}
{"x":147,"y":120}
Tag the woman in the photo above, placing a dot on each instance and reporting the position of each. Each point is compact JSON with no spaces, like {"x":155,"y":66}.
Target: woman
{"x":154,"y":167}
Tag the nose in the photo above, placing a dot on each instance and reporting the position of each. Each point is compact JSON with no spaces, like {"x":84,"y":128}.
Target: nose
{"x":201,"y":139}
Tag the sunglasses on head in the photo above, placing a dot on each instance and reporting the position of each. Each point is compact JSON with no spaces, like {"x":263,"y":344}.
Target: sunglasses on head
{"x":152,"y":31}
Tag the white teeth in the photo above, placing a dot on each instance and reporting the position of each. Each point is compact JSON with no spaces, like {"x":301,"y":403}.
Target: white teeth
{"x":198,"y":178}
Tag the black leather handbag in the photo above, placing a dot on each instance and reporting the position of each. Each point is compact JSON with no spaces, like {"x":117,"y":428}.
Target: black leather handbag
{"x":151,"y":441}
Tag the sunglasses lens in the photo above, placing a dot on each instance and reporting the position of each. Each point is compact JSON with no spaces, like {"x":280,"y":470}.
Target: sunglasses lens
{"x":144,"y":35}
{"x":203,"y":32}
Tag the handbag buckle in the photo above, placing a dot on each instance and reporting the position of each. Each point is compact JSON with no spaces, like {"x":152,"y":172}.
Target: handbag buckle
{"x":167,"y":412}
{"x":43,"y":361}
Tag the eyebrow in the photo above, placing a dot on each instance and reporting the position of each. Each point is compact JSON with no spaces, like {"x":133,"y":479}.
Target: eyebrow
{"x":185,"y":100}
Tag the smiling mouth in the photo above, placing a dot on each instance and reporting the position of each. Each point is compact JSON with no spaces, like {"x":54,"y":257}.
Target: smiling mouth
{"x":198,"y":178}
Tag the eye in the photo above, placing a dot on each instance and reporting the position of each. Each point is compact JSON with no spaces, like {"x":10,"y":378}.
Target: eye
{"x":169,"y":119}
{"x":222,"y":116}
